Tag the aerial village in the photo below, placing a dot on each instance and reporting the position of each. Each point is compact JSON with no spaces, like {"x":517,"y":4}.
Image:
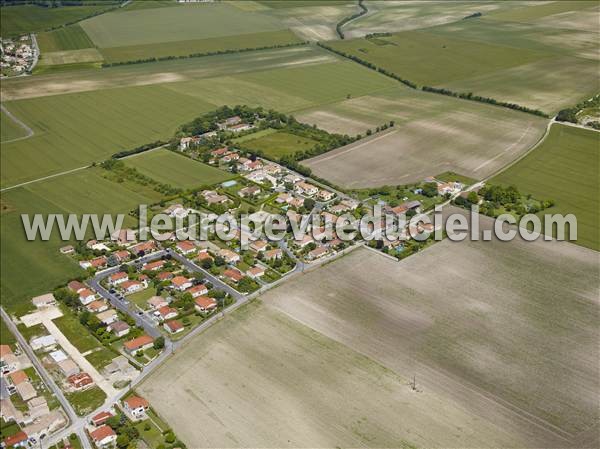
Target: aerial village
{"x":17,"y":56}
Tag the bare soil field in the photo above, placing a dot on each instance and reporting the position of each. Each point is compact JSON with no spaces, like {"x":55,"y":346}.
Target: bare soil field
{"x":432,"y":134}
{"x":262,"y":379}
{"x":506,"y":329}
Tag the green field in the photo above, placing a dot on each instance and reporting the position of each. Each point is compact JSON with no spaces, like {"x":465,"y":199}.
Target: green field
{"x":171,"y":168}
{"x":276,"y":145}
{"x":564,"y":168}
{"x":9,"y":130}
{"x":547,"y":64}
{"x":181,"y":23}
{"x":16,"y":20}
{"x":129,"y":117}
{"x":84,"y":55}
{"x":290,"y":79}
{"x":68,"y":38}
{"x":31,"y":268}
{"x":418,"y":56}
{"x":200,"y":46}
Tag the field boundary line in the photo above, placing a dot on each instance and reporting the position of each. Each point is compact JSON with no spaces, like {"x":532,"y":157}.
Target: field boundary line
{"x":29,"y":132}
{"x":355,"y":147}
{"x":45,"y":178}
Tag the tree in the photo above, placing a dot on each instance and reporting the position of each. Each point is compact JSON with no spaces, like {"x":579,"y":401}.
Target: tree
{"x":430,"y":189}
{"x":159,"y":343}
{"x":473,"y":198}
{"x":123,"y":440}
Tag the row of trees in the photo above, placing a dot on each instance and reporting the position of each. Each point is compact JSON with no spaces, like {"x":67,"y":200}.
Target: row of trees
{"x":570,"y":114}
{"x":199,"y":55}
{"x":488,"y":100}
{"x":345,"y":20}
{"x":370,"y":65}
{"x":122,"y":173}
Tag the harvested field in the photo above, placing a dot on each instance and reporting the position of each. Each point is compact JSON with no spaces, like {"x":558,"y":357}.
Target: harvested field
{"x":502,"y":327}
{"x":432,"y":134}
{"x":261,"y":379}
{"x":566,"y":169}
{"x":171,"y":168}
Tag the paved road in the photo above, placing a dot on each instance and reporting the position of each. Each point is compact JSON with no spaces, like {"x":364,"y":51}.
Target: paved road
{"x":143,"y":320}
{"x":72,"y":416}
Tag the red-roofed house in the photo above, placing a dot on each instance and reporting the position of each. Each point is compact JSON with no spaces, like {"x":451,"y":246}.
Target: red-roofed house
{"x":138,"y":344}
{"x":181,"y":283}
{"x":197,"y":290}
{"x":118,"y":278}
{"x":164,"y":276}
{"x":166,"y":313}
{"x":233,"y":275}
{"x":76,"y":286}
{"x":103,"y":436}
{"x":132,"y":286}
{"x":101,"y":418}
{"x":205,"y":304}
{"x":81,"y":381}
{"x":86,"y":296}
{"x":19,"y":439}
{"x":274,"y":254}
{"x":136,"y":407}
{"x":153,"y":266}
{"x":173,"y":326}
{"x":186,"y":247}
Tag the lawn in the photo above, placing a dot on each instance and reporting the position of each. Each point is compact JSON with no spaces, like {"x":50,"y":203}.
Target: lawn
{"x":564,"y":168}
{"x":16,"y":20}
{"x":76,"y":332}
{"x":71,"y":37}
{"x":153,"y":436}
{"x":6,"y":336}
{"x":168,"y":167}
{"x":101,"y":358}
{"x":140,"y":298}
{"x":280,"y":144}
{"x":85,"y":401}
{"x":199,"y":46}
{"x":181,"y":23}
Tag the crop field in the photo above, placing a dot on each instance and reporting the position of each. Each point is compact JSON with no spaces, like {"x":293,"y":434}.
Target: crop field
{"x":9,"y":129}
{"x":181,"y":23}
{"x":31,"y":268}
{"x":71,"y":37}
{"x":130,"y":117}
{"x":432,"y":134}
{"x":314,"y":21}
{"x":417,"y":56}
{"x":166,"y":72}
{"x":566,"y":169}
{"x":392,"y":16}
{"x":136,"y":115}
{"x":502,"y":327}
{"x":547,"y":63}
{"x":261,"y":379}
{"x":195,"y":46}
{"x":16,"y":20}
{"x":70,"y":57}
{"x":179,"y":171}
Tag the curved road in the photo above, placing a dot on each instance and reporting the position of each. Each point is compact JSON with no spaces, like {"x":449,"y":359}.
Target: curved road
{"x":29,"y":132}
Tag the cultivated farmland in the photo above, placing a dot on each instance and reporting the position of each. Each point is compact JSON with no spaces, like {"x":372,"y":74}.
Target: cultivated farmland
{"x":181,"y":23}
{"x":30,"y":268}
{"x":68,"y":38}
{"x":547,"y":63}
{"x":23,"y":19}
{"x":433,"y":134}
{"x":566,"y":169}
{"x":171,"y":168}
{"x":261,"y":379}
{"x":503,"y":326}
